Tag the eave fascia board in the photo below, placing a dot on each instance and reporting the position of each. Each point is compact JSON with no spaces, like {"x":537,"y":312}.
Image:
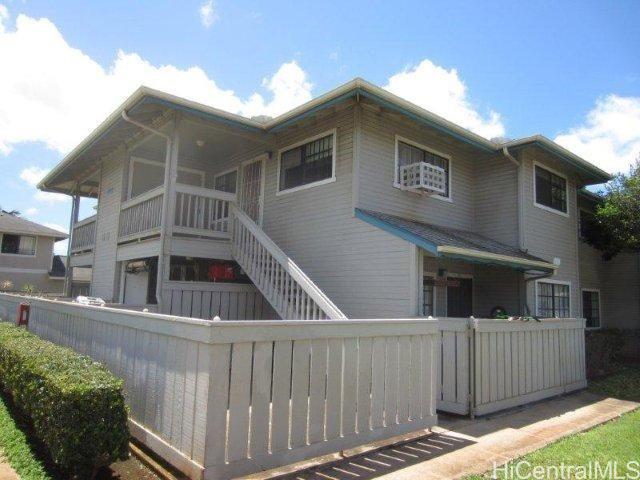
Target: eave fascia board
{"x":488,"y":257}
{"x":553,"y":148}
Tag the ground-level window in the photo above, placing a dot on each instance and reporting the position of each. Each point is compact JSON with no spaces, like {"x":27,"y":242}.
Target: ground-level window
{"x":553,"y":300}
{"x":226,"y":182}
{"x":308,"y":163}
{"x":551,"y":190}
{"x":190,"y":269}
{"x":18,"y":244}
{"x":428,"y":296}
{"x":591,"y":307}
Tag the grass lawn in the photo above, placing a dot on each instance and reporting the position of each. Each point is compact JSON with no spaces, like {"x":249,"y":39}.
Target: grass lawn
{"x":617,"y":440}
{"x":17,"y":449}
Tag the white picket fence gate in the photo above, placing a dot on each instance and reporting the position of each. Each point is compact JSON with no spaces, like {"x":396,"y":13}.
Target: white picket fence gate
{"x":489,"y":365}
{"x":223,"y":399}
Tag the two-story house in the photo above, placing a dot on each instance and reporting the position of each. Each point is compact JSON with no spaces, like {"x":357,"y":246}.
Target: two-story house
{"x":357,"y":203}
{"x":26,"y":256}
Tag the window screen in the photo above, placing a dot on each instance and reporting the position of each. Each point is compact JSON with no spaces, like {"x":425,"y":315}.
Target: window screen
{"x":553,"y":300}
{"x":591,"y":308}
{"x":308,"y":163}
{"x":18,"y":244}
{"x":409,"y":154}
{"x":551,"y":190}
{"x":226,"y":182}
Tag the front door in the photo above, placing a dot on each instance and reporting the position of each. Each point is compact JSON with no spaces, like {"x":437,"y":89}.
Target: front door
{"x":459,"y":297}
{"x":251,"y":186}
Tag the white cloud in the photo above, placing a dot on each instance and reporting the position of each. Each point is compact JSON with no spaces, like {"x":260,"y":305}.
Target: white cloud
{"x":33,"y":175}
{"x":61,"y":94}
{"x":57,"y":227}
{"x":4,"y":15}
{"x":610,"y":135}
{"x":30,"y":212}
{"x":443,"y":92}
{"x":208,"y":14}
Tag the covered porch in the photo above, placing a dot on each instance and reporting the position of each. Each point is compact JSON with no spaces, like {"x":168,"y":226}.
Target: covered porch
{"x":460,"y":274}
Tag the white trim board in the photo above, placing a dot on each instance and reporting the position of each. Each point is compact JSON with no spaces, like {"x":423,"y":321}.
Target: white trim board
{"x":331,"y":179}
{"x":558,"y":282}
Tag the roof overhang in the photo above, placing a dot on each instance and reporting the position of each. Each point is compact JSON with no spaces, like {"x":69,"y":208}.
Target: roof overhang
{"x":147,"y":104}
{"x":591,"y":174}
{"x":470,"y":255}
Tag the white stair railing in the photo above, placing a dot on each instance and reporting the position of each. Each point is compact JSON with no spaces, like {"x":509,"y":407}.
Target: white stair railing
{"x":291,"y":293}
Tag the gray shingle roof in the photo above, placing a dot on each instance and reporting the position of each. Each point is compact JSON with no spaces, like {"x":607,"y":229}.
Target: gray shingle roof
{"x":446,"y":236}
{"x":14,"y":224}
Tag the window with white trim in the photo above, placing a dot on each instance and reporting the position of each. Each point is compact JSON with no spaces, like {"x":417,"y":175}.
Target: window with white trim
{"x":553,"y":300}
{"x":409,"y":154}
{"x":551,"y":189}
{"x":307,"y":164}
{"x":18,"y":244}
{"x":591,"y":308}
{"x":226,"y":182}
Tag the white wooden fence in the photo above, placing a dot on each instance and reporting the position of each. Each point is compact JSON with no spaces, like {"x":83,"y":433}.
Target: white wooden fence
{"x":222,"y":399}
{"x":489,"y":365}
{"x":229,"y":301}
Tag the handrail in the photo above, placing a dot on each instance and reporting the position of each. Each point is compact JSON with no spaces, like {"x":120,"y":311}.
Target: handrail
{"x":85,"y":221}
{"x":205,"y":192}
{"x":286,"y":263}
{"x":143,"y":197}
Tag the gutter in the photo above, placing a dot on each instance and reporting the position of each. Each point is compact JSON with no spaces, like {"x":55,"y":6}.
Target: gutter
{"x":165,"y":199}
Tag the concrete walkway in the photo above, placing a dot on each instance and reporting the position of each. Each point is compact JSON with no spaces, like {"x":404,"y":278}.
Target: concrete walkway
{"x":461,"y":446}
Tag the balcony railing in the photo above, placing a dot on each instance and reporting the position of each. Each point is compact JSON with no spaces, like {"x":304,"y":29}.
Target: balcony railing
{"x":202,"y":212}
{"x":84,"y":235}
{"x":142,"y":215}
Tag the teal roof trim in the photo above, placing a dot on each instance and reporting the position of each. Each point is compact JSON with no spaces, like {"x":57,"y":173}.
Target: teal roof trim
{"x":398,"y":232}
{"x":425,"y":121}
{"x":196,"y":112}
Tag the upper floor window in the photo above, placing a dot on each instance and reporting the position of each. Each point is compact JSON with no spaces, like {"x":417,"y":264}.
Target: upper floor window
{"x":306,"y":164}
{"x":553,"y":300}
{"x":550,"y":190}
{"x":585,"y":223}
{"x":226,"y":182}
{"x":411,"y":154}
{"x":18,"y":244}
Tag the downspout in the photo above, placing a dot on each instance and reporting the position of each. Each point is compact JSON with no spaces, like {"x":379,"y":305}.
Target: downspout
{"x":165,"y":200}
{"x":520,"y":207}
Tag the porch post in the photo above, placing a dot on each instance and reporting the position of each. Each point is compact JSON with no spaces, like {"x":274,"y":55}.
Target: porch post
{"x":168,"y":203}
{"x":68,"y":274}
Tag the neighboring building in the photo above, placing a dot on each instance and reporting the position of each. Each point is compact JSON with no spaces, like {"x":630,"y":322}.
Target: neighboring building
{"x":26,"y":256}
{"x":387,"y":209}
{"x":610,"y":289}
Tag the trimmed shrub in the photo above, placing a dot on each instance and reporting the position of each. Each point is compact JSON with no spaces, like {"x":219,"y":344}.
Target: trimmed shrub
{"x":603,"y":350}
{"x":75,"y":405}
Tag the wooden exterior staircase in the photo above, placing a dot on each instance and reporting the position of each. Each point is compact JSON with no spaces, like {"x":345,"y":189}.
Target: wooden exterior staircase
{"x":291,"y":293}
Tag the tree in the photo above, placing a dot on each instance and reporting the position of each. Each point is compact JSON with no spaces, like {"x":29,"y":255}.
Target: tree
{"x":615,"y":225}
{"x":15,"y":213}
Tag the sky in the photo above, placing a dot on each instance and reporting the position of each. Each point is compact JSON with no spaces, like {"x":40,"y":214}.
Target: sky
{"x":567,"y":70}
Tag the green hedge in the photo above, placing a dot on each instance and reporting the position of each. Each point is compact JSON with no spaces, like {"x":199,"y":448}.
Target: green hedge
{"x":76,"y":406}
